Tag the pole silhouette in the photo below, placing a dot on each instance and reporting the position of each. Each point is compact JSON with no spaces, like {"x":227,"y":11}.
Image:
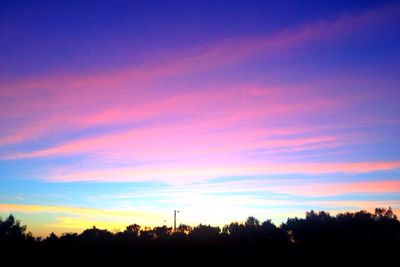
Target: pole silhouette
{"x":175,"y":211}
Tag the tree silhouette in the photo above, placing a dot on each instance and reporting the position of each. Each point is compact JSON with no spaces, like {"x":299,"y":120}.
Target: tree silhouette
{"x":318,"y":233}
{"x":383,"y":213}
{"x":162,"y":232}
{"x":252,"y":222}
{"x":51,"y":239}
{"x":96,"y":235}
{"x":205,"y":233}
{"x":12,"y":230}
{"x":183,"y":228}
{"x":133,"y":229}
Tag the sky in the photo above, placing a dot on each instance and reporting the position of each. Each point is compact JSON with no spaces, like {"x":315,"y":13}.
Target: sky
{"x":120,"y":112}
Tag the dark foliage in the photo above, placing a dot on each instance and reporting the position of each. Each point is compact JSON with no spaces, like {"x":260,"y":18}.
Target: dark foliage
{"x":347,"y":235}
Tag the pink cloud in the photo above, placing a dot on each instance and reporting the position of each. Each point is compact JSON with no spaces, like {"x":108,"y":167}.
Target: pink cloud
{"x":181,"y":173}
{"x":332,"y":189}
{"x":220,"y":121}
{"x":293,"y":187}
{"x":109,"y":97}
{"x":183,"y":141}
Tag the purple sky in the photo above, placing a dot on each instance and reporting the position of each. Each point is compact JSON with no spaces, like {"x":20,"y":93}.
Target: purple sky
{"x":119,"y":112}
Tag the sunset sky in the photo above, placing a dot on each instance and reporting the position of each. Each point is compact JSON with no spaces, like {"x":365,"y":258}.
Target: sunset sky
{"x":119,"y":112}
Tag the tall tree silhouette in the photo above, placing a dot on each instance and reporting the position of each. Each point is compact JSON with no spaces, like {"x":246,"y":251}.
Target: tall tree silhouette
{"x":12,"y":230}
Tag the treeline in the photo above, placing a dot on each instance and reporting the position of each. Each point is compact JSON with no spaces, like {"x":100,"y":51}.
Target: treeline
{"x":319,"y":232}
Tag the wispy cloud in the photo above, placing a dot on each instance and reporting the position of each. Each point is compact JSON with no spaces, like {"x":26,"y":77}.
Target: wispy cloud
{"x":82,"y":101}
{"x":67,"y":218}
{"x":205,"y":121}
{"x":185,"y":175}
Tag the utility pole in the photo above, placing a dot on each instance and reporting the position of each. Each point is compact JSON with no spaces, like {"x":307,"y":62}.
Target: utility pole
{"x":175,"y":211}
